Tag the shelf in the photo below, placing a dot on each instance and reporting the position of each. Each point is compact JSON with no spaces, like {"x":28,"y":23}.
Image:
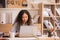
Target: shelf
{"x":48,"y":4}
{"x":57,"y":16}
{"x":47,"y":29}
{"x":48,"y":17}
{"x":44,"y":28}
{"x":57,"y":4}
{"x":22,"y":8}
{"x":51,"y":6}
{"x":58,"y":29}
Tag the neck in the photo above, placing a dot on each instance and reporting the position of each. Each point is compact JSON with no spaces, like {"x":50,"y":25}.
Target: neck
{"x":24,"y":23}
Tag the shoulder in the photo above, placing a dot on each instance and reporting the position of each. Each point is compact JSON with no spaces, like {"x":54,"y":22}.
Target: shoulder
{"x":15,"y":24}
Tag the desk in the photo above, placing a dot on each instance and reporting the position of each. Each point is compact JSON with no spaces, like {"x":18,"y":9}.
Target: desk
{"x":33,"y":38}
{"x":48,"y":38}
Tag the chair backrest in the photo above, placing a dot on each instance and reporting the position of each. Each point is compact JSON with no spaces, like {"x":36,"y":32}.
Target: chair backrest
{"x":48,"y":38}
{"x":39,"y":27}
{"x":5,"y":28}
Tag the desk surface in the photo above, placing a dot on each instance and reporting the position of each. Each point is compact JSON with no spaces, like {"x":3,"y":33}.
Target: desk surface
{"x":33,"y":38}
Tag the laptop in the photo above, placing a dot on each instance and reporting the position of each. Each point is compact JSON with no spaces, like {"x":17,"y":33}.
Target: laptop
{"x":29,"y":31}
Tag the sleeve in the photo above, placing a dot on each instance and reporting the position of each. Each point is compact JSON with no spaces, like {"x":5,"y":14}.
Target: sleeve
{"x":13,"y":31}
{"x":14,"y":28}
{"x":36,"y":31}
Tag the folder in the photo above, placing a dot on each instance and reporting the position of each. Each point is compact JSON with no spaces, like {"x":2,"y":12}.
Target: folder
{"x":58,"y":11}
{"x":48,"y":24}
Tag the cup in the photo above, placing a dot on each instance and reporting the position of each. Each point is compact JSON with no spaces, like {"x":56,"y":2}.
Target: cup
{"x":12,"y":35}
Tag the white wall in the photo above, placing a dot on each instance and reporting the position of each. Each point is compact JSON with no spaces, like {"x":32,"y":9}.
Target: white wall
{"x":11,"y":13}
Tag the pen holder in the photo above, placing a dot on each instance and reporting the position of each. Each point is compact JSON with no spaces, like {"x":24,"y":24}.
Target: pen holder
{"x":12,"y":35}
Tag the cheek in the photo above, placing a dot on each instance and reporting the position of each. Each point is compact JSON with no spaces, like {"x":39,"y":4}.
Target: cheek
{"x":22,"y":19}
{"x":26,"y":18}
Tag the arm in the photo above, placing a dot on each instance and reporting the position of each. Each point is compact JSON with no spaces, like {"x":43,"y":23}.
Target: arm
{"x":12,"y":32}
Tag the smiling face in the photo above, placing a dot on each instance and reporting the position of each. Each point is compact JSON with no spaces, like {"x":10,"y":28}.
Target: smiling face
{"x":24,"y":18}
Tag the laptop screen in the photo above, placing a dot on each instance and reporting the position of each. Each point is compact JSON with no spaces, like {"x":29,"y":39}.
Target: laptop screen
{"x":29,"y":31}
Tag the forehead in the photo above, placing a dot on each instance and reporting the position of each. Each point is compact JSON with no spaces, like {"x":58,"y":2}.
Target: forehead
{"x":25,"y":14}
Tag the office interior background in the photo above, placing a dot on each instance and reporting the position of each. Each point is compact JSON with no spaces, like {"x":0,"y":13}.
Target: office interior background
{"x":45,"y":14}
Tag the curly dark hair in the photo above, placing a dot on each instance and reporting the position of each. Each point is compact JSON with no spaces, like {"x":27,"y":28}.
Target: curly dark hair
{"x":19,"y":19}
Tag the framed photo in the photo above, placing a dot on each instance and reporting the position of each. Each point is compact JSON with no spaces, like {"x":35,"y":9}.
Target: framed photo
{"x":2,"y":3}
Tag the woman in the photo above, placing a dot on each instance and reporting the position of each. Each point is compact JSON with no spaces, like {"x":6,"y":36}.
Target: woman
{"x":23,"y":24}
